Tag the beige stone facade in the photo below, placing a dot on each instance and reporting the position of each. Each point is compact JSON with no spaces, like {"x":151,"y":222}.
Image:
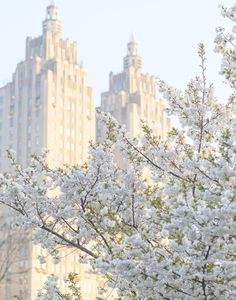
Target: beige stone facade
{"x":47,"y":105}
{"x":132,"y":98}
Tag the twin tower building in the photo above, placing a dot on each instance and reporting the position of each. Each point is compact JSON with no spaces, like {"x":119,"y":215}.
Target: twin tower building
{"x":48,"y":105}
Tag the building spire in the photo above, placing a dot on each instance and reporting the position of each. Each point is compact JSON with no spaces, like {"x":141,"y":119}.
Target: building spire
{"x":132,"y":46}
{"x":132,"y":38}
{"x":52,"y":11}
{"x":132,"y":59}
{"x":52,"y":22}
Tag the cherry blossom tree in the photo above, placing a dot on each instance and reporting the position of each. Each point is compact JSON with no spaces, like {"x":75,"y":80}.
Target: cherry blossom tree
{"x":51,"y":291}
{"x":169,"y":237}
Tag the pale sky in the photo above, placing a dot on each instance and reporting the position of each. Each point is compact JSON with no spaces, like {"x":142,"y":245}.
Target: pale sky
{"x":167,"y":32}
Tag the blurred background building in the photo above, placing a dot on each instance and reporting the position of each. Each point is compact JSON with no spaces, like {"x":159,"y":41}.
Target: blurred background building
{"x":48,"y":103}
{"x":132,"y":98}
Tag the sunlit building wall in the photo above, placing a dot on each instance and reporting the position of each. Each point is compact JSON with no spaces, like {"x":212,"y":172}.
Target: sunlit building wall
{"x":132,"y":98}
{"x":47,"y":105}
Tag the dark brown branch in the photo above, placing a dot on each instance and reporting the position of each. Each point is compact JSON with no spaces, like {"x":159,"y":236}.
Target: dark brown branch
{"x":151,"y":162}
{"x":68,"y":242}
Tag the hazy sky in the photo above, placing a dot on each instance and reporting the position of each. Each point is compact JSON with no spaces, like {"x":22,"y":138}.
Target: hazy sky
{"x":167,"y":32}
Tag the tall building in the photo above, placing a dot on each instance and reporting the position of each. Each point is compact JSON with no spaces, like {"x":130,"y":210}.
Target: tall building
{"x":132,"y":98}
{"x":47,"y":105}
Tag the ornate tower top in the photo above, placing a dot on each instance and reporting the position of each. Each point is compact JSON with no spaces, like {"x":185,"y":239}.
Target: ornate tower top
{"x":132,"y":38}
{"x":132,"y":46}
{"x":132,"y":59}
{"x":52,"y":23}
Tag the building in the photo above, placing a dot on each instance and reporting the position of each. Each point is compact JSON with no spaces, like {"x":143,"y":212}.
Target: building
{"x":132,"y":98}
{"x":47,"y":105}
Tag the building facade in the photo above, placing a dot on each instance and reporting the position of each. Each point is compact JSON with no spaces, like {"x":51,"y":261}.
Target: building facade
{"x":132,"y":98}
{"x":47,"y":105}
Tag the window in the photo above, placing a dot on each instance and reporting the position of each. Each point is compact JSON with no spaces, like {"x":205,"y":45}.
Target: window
{"x":37,"y":127}
{"x":37,"y":101}
{"x":11,"y":136}
{"x":11,"y":122}
{"x":37,"y":140}
{"x":38,"y":86}
{"x":37,"y":113}
{"x":20,"y":92}
{"x":11,"y":108}
{"x":73,"y":106}
{"x":30,"y":100}
{"x":30,"y":73}
{"x":20,"y":104}
{"x":30,"y":92}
